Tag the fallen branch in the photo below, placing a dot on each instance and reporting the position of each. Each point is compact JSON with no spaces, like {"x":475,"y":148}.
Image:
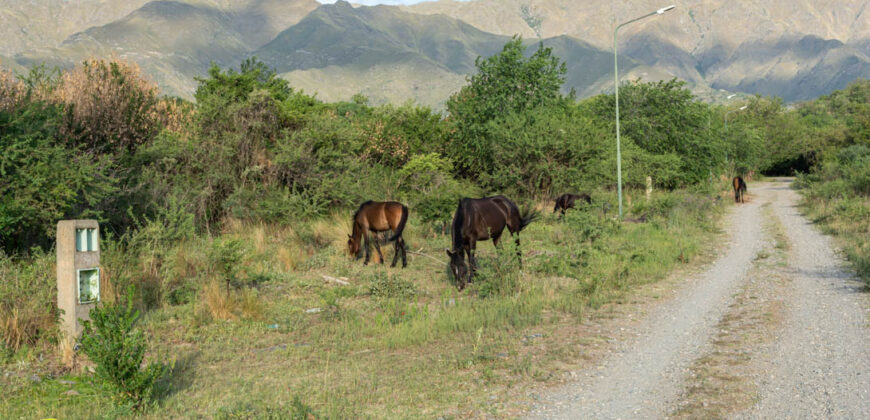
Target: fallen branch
{"x":339,"y":280}
{"x":428,"y":256}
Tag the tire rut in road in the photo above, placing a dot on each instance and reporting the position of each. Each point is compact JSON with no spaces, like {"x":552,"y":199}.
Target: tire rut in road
{"x":643,"y":377}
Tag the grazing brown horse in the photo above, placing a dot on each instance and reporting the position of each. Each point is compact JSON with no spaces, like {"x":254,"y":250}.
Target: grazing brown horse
{"x":739,"y":189}
{"x":377,"y":216}
{"x":479,"y":219}
{"x":566,"y":201}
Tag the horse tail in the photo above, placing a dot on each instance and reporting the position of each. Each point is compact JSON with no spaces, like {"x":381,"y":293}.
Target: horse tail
{"x":527,"y":216}
{"x":401,"y":226}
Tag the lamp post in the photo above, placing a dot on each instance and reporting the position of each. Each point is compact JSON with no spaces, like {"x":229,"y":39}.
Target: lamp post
{"x":616,"y":90}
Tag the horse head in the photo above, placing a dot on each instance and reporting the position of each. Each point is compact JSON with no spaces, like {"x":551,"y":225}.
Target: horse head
{"x":353,"y":246}
{"x":459,"y":268}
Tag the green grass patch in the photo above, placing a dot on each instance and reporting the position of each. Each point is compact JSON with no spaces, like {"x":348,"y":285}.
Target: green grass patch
{"x":395,"y":342}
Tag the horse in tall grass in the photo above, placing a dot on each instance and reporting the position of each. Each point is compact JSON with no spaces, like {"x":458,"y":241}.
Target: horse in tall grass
{"x":566,"y":201}
{"x":480,"y":219}
{"x":374,"y":217}
{"x":739,"y":189}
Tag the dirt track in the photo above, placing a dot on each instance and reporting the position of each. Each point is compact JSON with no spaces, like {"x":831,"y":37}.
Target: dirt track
{"x":816,"y":366}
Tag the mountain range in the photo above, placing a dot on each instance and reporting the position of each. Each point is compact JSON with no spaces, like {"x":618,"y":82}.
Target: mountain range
{"x":793,"y":49}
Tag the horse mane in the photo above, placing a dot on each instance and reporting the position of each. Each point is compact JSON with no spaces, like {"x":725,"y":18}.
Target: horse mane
{"x":458,"y":220}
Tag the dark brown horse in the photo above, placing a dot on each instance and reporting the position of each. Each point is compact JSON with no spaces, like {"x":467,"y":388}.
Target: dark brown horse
{"x":479,"y":219}
{"x":377,"y":216}
{"x":739,"y":189}
{"x":566,"y":201}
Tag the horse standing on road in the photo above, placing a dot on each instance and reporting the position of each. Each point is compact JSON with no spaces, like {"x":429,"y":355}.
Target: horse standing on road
{"x":739,"y":189}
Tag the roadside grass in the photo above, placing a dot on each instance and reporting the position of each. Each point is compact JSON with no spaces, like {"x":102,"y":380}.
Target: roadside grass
{"x":847,"y":220}
{"x":720,"y":382}
{"x":395,"y":342}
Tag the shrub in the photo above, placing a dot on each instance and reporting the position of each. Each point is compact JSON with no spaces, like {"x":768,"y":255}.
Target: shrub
{"x":383,"y":285}
{"x":110,"y":106}
{"x":432,"y":191}
{"x":226,"y":254}
{"x":118,"y":350}
{"x":499,"y":276}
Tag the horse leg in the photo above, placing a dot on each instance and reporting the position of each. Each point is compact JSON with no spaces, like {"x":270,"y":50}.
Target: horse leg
{"x":404,"y":253}
{"x":396,"y":256}
{"x":519,"y":252}
{"x":378,"y":248}
{"x":366,"y":246}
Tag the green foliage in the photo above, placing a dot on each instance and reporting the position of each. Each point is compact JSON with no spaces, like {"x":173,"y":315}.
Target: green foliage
{"x":43,"y":180}
{"x":118,"y":350}
{"x":27,"y":296}
{"x":506,"y":83}
{"x":430,"y":188}
{"x":499,"y":276}
{"x":549,"y":150}
{"x":392,"y":134}
{"x":226,"y":254}
{"x":670,"y":128}
{"x":388,"y":286}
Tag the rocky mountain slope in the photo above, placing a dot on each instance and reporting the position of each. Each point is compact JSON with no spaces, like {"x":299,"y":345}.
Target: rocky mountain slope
{"x":793,"y":49}
{"x":796,"y":50}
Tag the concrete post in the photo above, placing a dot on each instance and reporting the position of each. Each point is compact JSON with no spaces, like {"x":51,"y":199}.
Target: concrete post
{"x":648,"y":187}
{"x":78,"y":272}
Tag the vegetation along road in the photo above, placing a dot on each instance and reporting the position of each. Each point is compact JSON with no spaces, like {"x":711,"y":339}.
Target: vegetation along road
{"x":808,"y":357}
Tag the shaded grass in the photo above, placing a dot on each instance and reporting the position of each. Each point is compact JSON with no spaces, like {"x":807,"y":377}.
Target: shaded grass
{"x":396,"y":342}
{"x":847,"y":219}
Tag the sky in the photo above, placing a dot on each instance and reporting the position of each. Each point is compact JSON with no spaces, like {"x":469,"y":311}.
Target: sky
{"x":374,"y":2}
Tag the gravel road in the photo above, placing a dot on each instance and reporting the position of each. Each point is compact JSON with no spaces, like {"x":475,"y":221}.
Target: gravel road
{"x":818,"y":366}
{"x":820,"y":363}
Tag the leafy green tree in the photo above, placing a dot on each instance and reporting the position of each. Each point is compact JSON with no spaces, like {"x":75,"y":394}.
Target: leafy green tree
{"x":43,"y":180}
{"x":504,"y":84}
{"x":665,"y":119}
{"x":550,"y":150}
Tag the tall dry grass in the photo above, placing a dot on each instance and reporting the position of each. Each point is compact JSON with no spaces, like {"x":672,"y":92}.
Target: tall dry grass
{"x":12,"y":91}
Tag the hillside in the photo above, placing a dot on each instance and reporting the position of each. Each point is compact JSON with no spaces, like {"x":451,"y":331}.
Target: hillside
{"x":424,"y":52}
{"x":796,"y":50}
{"x":392,"y":55}
{"x":26,"y":25}
{"x":175,"y":41}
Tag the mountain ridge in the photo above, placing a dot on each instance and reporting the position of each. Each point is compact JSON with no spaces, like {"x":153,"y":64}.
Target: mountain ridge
{"x":424,"y":53}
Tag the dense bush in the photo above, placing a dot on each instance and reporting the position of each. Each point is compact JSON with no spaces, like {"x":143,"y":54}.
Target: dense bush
{"x":43,"y":180}
{"x":506,"y":83}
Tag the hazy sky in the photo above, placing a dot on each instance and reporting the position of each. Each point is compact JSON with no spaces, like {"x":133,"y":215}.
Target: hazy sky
{"x":374,"y":2}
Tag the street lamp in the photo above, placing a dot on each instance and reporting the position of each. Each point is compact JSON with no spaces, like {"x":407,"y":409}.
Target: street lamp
{"x":733,"y":110}
{"x":616,"y":89}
